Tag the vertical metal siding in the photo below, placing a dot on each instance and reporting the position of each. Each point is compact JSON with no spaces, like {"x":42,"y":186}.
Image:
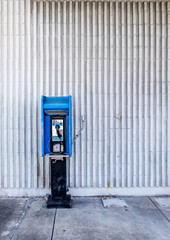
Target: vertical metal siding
{"x":114,"y":59}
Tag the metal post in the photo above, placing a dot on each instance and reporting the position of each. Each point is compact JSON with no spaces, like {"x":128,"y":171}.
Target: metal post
{"x":58,"y":197}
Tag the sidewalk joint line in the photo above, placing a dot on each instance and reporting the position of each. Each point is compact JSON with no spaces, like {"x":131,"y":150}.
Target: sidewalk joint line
{"x":53,"y":224}
{"x":159,"y":210}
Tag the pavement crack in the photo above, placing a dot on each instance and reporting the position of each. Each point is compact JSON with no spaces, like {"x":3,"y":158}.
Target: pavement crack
{"x":159,"y":210}
{"x":13,"y":233}
{"x":53,"y":224}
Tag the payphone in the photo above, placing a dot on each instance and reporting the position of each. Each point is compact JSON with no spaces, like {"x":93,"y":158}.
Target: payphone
{"x":58,"y":136}
{"x":57,"y":145}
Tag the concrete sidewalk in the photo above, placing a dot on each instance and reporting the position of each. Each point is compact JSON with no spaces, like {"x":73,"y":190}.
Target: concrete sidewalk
{"x":137,"y":218}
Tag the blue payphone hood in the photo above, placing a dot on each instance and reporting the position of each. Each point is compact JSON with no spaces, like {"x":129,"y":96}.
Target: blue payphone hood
{"x":59,"y":106}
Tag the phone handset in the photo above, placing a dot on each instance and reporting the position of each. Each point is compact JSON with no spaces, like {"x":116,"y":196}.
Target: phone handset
{"x":57,"y":127}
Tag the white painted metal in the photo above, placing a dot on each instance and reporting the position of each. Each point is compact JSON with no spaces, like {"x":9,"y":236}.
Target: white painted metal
{"x":101,"y":0}
{"x":114,"y":59}
{"x":168,"y":97}
{"x":141,"y":191}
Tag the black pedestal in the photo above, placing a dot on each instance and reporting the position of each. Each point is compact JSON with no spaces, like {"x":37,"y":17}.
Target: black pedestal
{"x":59,"y":203}
{"x":58,"y":197}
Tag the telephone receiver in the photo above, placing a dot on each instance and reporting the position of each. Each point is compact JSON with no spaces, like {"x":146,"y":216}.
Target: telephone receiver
{"x":57,"y":127}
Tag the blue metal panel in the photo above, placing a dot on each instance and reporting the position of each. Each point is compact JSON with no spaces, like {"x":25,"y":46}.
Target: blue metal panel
{"x":55,"y":105}
{"x":70,"y":127}
{"x":47,"y":136}
{"x":42,"y":125}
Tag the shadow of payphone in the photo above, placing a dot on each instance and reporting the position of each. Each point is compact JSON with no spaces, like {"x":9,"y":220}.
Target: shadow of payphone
{"x":57,"y":145}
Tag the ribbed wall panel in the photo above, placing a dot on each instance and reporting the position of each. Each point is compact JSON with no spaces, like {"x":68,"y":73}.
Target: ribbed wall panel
{"x":114,"y":59}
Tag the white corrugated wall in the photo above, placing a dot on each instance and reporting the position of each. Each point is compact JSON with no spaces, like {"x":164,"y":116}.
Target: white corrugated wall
{"x":114,"y":59}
